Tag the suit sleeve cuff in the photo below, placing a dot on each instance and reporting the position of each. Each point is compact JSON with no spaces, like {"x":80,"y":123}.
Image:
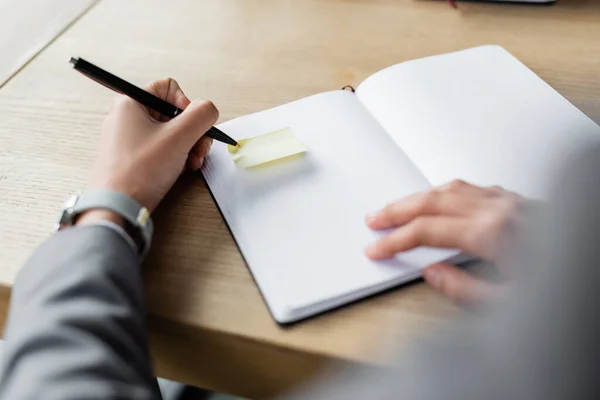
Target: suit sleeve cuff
{"x":119,"y":230}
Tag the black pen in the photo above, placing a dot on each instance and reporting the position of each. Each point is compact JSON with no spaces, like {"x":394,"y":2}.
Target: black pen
{"x":148,"y":99}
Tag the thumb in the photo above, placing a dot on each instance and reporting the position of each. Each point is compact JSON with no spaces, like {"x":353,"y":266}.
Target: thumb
{"x":460,"y":286}
{"x":193,"y":122}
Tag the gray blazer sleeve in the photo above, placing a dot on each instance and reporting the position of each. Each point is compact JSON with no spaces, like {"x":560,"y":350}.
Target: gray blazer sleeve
{"x":76,"y":328}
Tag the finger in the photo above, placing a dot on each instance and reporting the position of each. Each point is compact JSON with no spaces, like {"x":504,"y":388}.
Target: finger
{"x":202,"y":147}
{"x":459,"y":286}
{"x":497,"y":191}
{"x":193,"y":123}
{"x":198,"y":152}
{"x":460,"y":186}
{"x":194,"y":162}
{"x":422,"y":231}
{"x":432,"y":202}
{"x":167,"y":89}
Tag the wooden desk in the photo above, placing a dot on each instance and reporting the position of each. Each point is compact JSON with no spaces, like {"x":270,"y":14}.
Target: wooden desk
{"x":27,"y":27}
{"x":209,"y":324}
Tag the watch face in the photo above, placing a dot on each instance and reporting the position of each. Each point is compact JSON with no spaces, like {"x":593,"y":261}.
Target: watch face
{"x":71,"y":201}
{"x":142,"y":217}
{"x":66,"y":218}
{"x":67,"y":215}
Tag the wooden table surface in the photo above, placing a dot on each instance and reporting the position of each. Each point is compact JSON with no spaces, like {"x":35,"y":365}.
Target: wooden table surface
{"x":27,"y":26}
{"x":209,"y":324}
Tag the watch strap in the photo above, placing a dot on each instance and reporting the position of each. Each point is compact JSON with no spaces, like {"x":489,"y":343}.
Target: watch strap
{"x":119,"y":203}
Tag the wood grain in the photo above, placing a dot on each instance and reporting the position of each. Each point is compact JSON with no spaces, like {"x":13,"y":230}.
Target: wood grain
{"x":27,"y":26}
{"x":247,"y":55}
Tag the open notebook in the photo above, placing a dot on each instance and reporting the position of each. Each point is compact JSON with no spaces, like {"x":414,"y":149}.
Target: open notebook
{"x":478,"y":115}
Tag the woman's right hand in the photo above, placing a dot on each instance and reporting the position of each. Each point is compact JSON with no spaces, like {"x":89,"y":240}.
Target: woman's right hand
{"x":142,"y":153}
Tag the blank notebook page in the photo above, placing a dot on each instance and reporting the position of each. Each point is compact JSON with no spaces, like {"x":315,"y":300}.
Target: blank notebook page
{"x":479,"y":115}
{"x":300,"y":222}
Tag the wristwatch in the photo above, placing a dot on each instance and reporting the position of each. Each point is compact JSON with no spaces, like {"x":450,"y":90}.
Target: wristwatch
{"x":137,"y":218}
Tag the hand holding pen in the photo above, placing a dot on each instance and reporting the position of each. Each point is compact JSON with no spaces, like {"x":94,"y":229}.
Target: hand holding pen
{"x":142,"y":158}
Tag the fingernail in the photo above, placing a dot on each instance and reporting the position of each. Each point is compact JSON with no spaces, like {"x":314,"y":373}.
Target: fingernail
{"x":432,"y":276}
{"x":371,"y":250}
{"x":172,"y":84}
{"x":371,"y":217}
{"x":200,"y":163}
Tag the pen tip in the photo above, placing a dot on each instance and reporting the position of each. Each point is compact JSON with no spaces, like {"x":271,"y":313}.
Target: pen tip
{"x":72,"y":61}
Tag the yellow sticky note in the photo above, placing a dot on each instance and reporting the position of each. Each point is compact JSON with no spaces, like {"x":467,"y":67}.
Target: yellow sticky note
{"x":265,"y":148}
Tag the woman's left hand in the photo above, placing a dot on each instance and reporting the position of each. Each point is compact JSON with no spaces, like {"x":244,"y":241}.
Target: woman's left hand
{"x":480,"y":221}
